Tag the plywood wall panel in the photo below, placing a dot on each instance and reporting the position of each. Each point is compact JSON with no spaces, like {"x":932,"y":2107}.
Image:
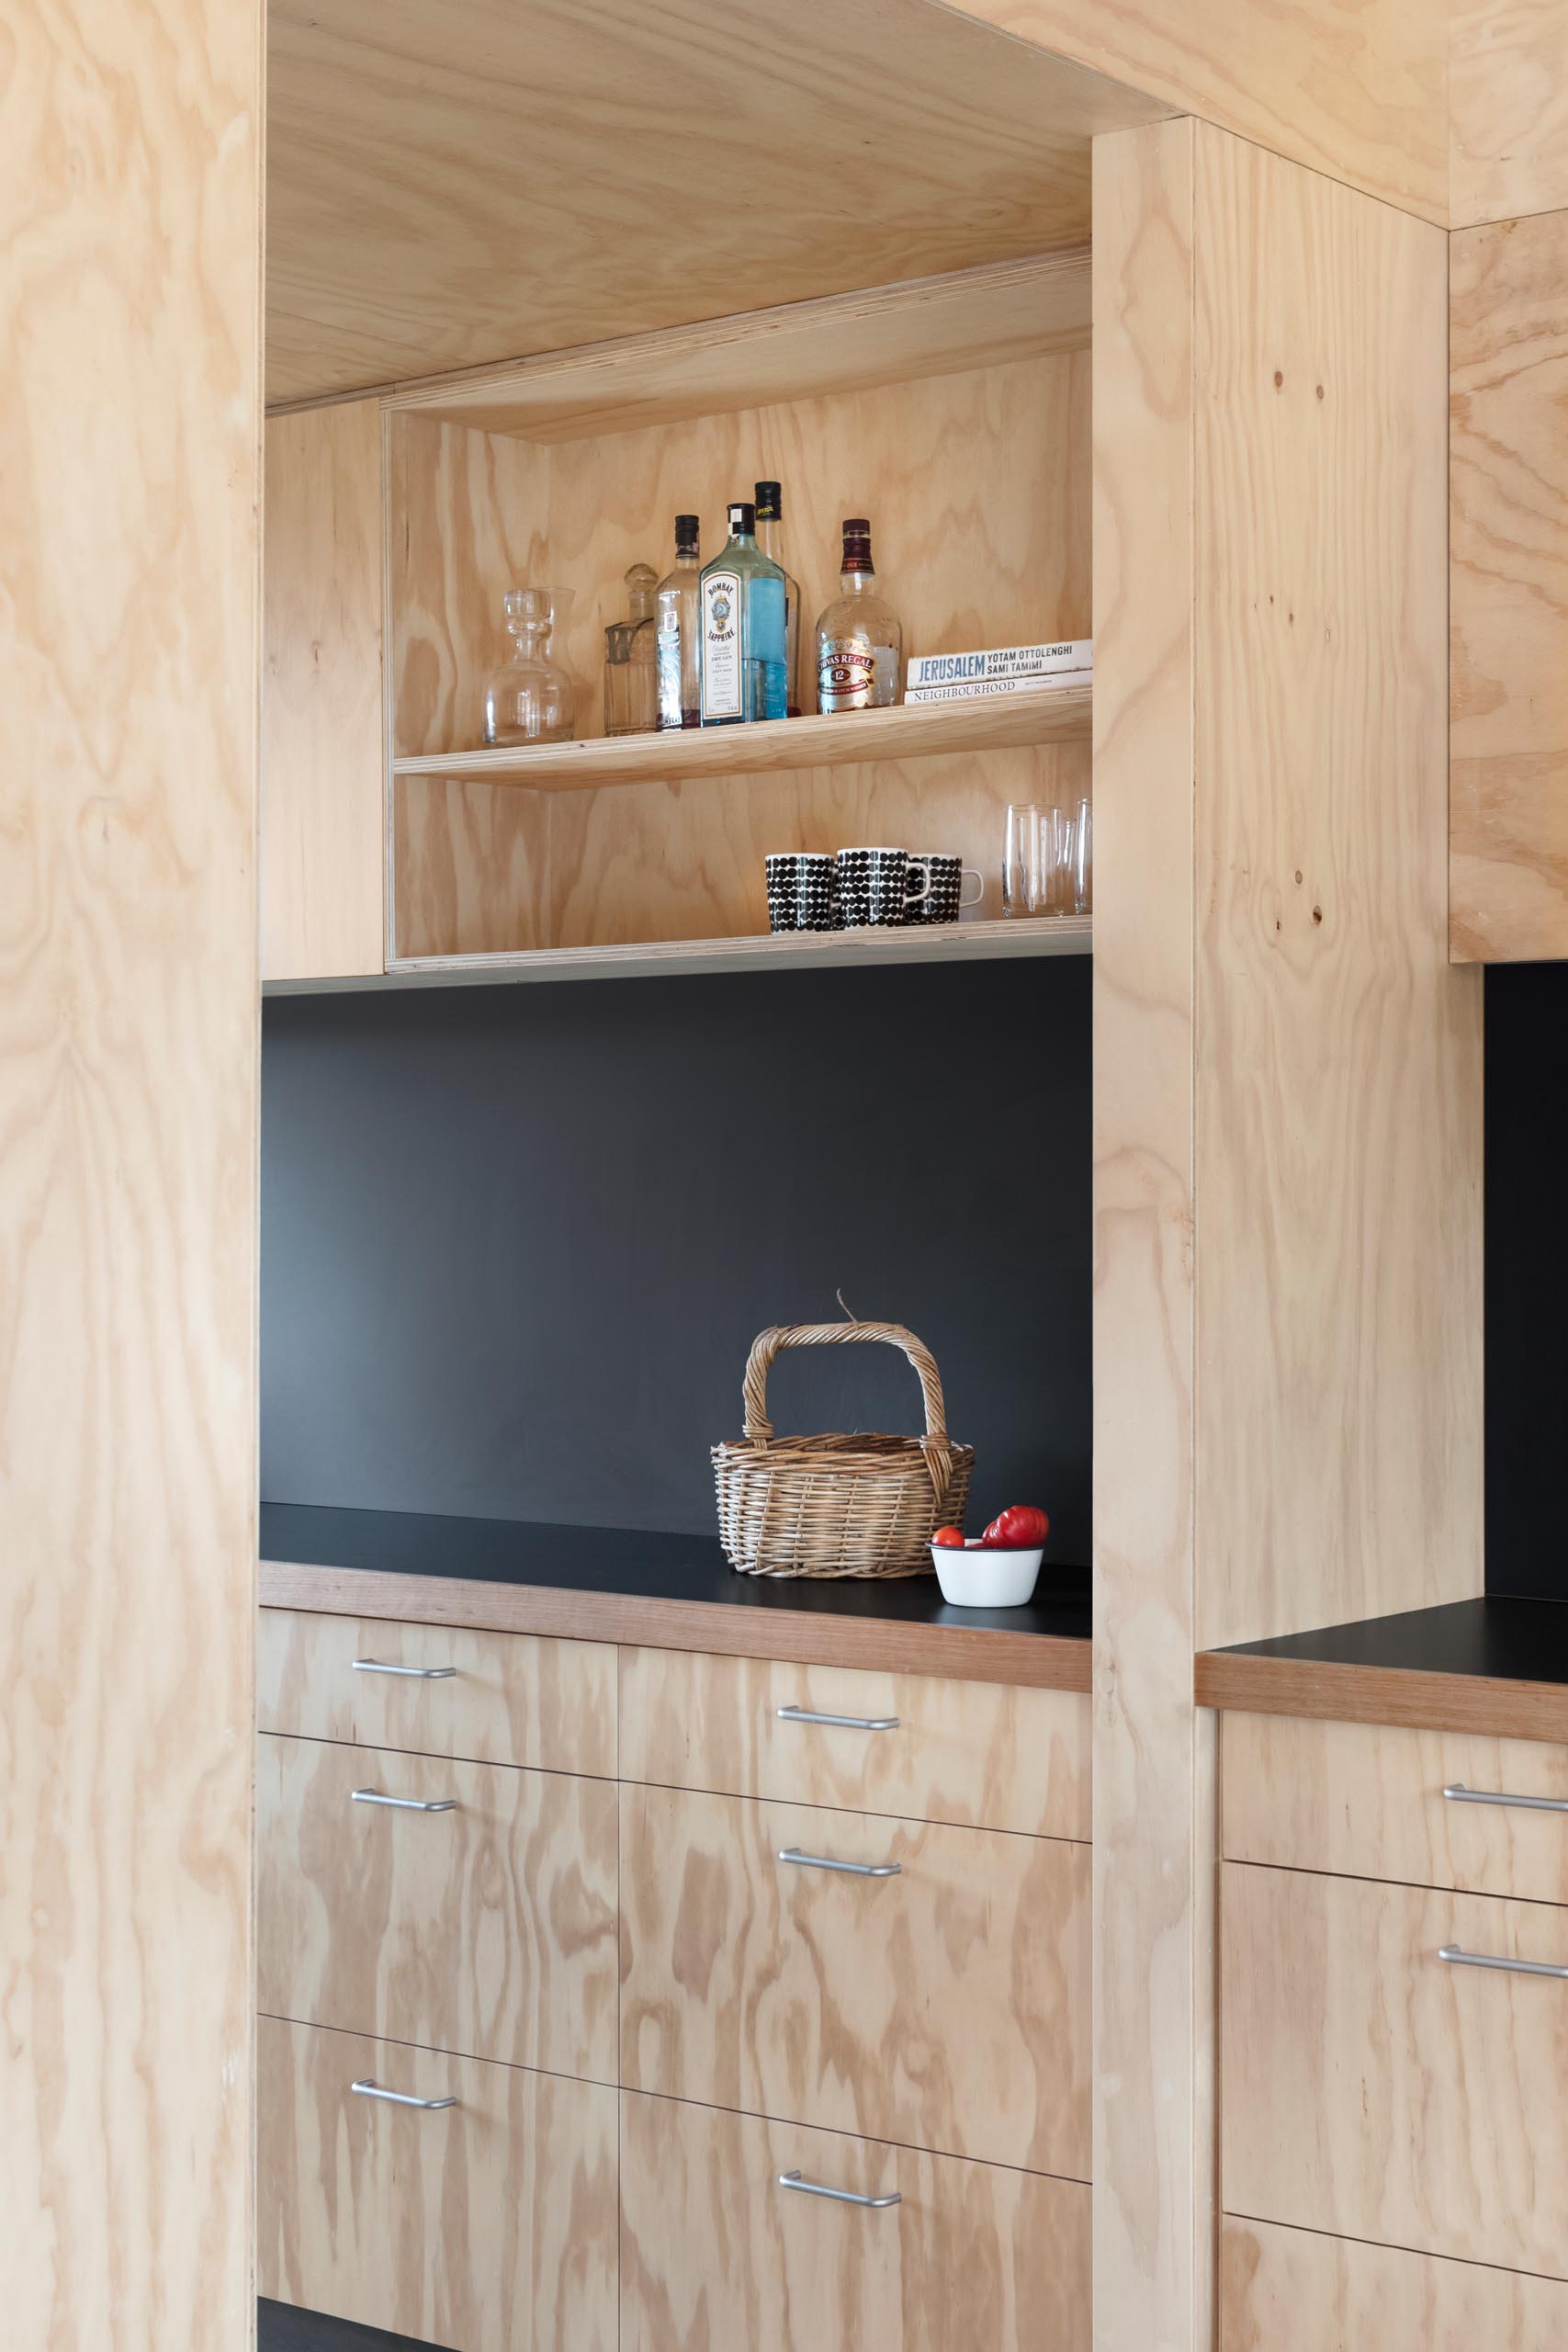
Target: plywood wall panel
{"x":1508,"y":683}
{"x":1292,"y":2290}
{"x":130,"y":171}
{"x":1508,"y":109}
{"x":323,"y":759}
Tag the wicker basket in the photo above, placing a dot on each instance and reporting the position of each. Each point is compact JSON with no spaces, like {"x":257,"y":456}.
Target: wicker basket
{"x":862,"y":1505}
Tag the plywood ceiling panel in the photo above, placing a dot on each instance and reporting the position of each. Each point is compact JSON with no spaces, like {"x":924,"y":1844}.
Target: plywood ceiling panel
{"x":453,"y":182}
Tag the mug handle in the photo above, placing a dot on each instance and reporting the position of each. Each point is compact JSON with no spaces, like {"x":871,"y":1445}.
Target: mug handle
{"x":969,"y":874}
{"x":915,"y":892}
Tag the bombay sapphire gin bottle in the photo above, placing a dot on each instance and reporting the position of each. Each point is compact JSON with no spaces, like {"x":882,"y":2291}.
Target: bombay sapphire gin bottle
{"x":743,"y":628}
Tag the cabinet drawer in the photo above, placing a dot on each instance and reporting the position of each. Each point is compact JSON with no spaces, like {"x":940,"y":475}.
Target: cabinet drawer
{"x":1368,"y":1802}
{"x":487,"y":2226}
{"x":1373,"y":2090}
{"x":930,"y":1750}
{"x":488,"y":1928}
{"x":946,"y":2006}
{"x":715,"y":2252}
{"x":1288,"y":2290}
{"x":499,"y":1698}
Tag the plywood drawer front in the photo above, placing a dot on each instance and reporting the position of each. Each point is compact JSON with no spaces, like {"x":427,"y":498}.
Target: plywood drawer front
{"x":488,"y":1929}
{"x":969,"y":1752}
{"x":489,"y":2226}
{"x":946,"y":2008}
{"x":1373,"y":2090}
{"x":1368,"y":1802}
{"x":1289,"y":2290}
{"x":714,"y":2253}
{"x":499,"y":1698}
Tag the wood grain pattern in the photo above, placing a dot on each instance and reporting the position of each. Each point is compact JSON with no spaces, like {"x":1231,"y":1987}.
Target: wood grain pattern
{"x":488,"y":2227}
{"x":713,"y":2252}
{"x":1056,"y":713}
{"x":1507,"y":110}
{"x":886,"y":334}
{"x":411,"y":231}
{"x":129,"y":186}
{"x":515,"y":1699}
{"x":972,"y":1653}
{"x":946,"y":2009}
{"x":1366,"y":1802}
{"x":1355,"y":88}
{"x":998,"y":552}
{"x":489,"y":1930}
{"x":1150,"y":2002}
{"x":1288,"y":2290}
{"x":962,"y":1752}
{"x":1359,"y":1694}
{"x":323,"y":756}
{"x":1509,"y":557}
{"x":1339,"y":1063}
{"x":1372,"y":2090}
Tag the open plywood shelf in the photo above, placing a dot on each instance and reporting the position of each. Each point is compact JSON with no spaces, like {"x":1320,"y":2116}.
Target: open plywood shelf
{"x":910,"y":731}
{"x":960,"y":943}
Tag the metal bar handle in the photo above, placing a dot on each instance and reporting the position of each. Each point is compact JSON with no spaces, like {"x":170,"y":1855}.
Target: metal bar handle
{"x":850,"y":1869}
{"x":405,"y":1804}
{"x":413,"y":1673}
{"x":840,"y":1723}
{"x":367,"y":2088}
{"x":840,"y":2195}
{"x":1456,"y":1794}
{"x":1460,"y":1959}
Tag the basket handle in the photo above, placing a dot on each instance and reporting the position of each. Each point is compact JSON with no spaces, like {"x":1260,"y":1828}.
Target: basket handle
{"x":767,"y":1345}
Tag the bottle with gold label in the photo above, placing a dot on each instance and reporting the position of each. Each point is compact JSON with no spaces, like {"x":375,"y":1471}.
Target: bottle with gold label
{"x":859,"y":640}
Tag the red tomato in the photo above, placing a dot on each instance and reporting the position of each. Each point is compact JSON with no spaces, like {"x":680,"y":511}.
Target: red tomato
{"x":1018,"y":1528}
{"x":950,"y":1538}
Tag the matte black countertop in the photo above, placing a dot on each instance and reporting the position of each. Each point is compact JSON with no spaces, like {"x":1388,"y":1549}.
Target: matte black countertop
{"x":1491,"y":1664}
{"x":671,"y":1591}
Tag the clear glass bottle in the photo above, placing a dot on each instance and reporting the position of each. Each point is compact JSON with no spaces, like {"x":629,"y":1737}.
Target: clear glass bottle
{"x":678,"y":611}
{"x":743,"y":628}
{"x":528,"y":699}
{"x":859,"y":640}
{"x":631,"y":697}
{"x":769,"y":538}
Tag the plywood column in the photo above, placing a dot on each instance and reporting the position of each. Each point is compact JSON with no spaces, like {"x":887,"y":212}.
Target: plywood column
{"x":1287,"y":1072}
{"x":129,"y":191}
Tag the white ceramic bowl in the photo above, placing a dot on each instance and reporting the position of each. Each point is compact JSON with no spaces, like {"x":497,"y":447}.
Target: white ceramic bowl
{"x":974,"y":1578}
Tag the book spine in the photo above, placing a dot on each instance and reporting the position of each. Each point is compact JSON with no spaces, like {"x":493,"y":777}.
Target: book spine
{"x":1001,"y":661}
{"x":966,"y":689}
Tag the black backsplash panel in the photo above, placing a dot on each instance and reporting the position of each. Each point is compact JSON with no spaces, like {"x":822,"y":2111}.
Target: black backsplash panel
{"x":1527,"y":1278}
{"x":517,"y":1240}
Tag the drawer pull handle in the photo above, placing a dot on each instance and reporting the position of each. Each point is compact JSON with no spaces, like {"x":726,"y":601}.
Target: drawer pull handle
{"x":840,"y":2195}
{"x":369,"y":2090}
{"x":405,"y":1804}
{"x":413,"y":1673}
{"x":1459,"y":1959}
{"x":840,"y":1723}
{"x":1456,"y":1794}
{"x":825,"y":1862}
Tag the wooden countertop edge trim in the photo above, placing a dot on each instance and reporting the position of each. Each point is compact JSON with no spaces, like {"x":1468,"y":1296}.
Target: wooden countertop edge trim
{"x":1402,"y":1697}
{"x":961,"y":1653}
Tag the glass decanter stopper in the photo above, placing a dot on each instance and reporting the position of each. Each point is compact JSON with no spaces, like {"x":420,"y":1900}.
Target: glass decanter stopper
{"x":631,"y":669}
{"x":528,"y":699}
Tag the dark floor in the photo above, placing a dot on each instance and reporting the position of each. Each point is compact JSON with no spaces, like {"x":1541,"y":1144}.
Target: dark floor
{"x":280,"y":2328}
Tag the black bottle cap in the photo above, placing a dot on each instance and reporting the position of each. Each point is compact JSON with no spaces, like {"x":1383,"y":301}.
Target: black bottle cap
{"x":687,"y":529}
{"x":857,"y":543}
{"x":743,"y":519}
{"x":770,"y":502}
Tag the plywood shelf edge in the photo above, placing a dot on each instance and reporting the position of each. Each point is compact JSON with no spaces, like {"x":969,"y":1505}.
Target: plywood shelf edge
{"x":908,"y":732}
{"x":961,"y":943}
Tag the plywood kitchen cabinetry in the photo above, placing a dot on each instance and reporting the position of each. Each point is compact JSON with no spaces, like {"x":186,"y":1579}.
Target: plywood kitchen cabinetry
{"x":815,"y":1992}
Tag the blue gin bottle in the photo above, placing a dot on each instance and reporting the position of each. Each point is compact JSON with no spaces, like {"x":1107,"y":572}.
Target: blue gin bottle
{"x":743,"y":594}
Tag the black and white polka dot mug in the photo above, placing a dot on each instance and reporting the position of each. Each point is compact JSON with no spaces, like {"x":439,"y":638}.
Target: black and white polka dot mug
{"x":881,"y":886}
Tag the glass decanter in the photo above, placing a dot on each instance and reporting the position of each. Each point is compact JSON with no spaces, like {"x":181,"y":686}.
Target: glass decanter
{"x":528,"y":699}
{"x":631,"y":671}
